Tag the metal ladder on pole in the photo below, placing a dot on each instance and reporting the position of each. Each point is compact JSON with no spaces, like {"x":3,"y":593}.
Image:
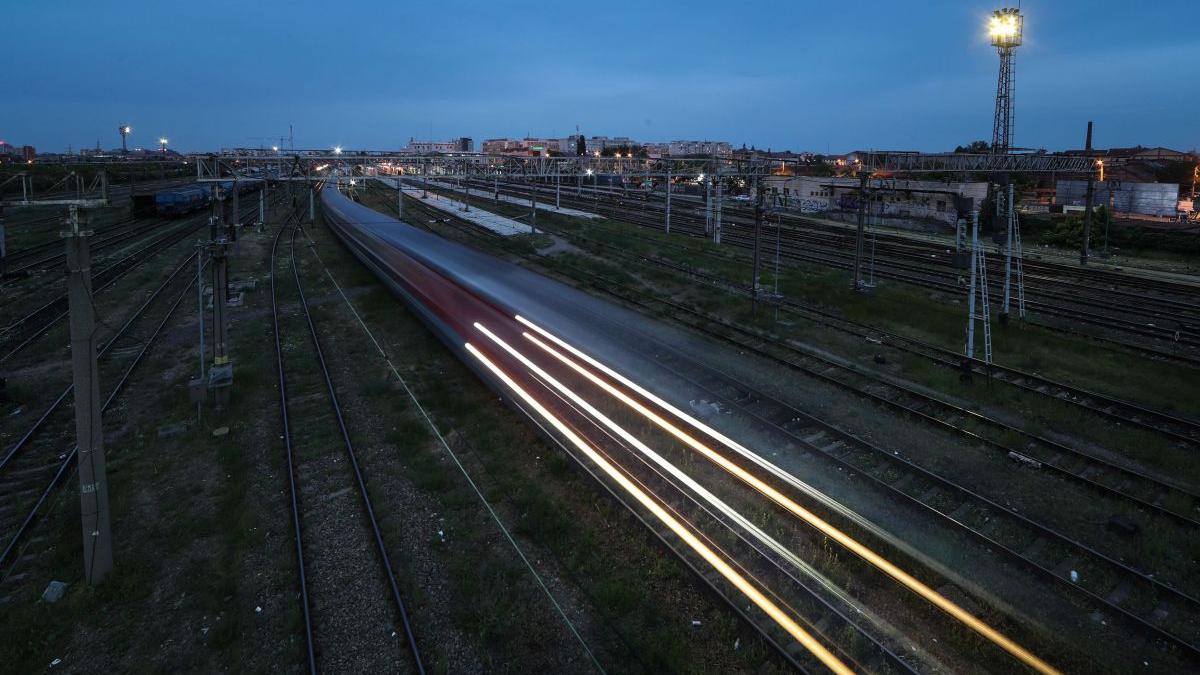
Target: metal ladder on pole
{"x":1019,"y":254}
{"x":983,"y":311}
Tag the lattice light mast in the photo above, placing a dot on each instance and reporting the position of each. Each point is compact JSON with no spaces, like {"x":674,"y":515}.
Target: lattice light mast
{"x":1005,"y":29}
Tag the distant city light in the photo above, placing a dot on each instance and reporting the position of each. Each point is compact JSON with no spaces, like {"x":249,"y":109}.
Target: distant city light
{"x":337,"y":150}
{"x":275,"y":148}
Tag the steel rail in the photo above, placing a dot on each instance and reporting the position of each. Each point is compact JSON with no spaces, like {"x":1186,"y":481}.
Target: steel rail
{"x":361,"y":483}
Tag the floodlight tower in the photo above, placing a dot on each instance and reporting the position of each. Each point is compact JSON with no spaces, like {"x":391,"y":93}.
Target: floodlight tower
{"x":124,"y":130}
{"x":1006,"y":28}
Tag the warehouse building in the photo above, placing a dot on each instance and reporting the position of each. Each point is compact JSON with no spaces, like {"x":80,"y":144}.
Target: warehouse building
{"x":915,"y":204}
{"x":1148,"y":199}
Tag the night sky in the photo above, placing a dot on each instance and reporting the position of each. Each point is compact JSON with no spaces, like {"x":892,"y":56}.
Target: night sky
{"x":825,"y":77}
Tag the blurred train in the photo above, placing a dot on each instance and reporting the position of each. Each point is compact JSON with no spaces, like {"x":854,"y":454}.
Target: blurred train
{"x":182,"y":200}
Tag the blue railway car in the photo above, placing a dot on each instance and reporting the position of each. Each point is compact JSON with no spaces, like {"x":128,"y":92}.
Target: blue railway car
{"x":182,"y":200}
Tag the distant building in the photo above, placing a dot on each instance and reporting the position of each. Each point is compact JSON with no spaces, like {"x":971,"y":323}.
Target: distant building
{"x":693,"y":148}
{"x":462,"y":144}
{"x":1139,"y":153}
{"x":523,"y":146}
{"x":904,"y":203}
{"x":1148,"y":199}
{"x":28,"y":153}
{"x":596,"y":145}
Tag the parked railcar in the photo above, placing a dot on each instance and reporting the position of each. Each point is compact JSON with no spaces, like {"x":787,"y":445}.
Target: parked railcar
{"x":182,"y":200}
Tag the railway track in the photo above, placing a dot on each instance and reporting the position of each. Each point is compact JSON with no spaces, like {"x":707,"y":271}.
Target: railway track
{"x":1183,"y":332}
{"x":1158,"y":493}
{"x":1118,"y":590}
{"x":855,"y":633}
{"x":37,"y":464}
{"x":1175,"y":427}
{"x":1180,"y":430}
{"x":25,"y":330}
{"x":347,"y":608}
{"x":49,"y":253}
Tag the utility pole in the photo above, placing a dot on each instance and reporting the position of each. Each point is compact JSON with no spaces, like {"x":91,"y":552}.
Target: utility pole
{"x":978,"y":281}
{"x":3,"y":246}
{"x":758,"y":214}
{"x":1085,"y":245}
{"x":93,"y":481}
{"x":668,"y":221}
{"x":533,"y":207}
{"x":717,"y":219}
{"x":862,"y":218}
{"x":220,"y":373}
{"x":708,"y":207}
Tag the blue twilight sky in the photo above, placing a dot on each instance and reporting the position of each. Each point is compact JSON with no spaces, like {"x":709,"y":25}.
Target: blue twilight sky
{"x":826,"y":77}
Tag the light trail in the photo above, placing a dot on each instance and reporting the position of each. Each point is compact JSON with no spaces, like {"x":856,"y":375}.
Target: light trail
{"x":723,"y":568}
{"x":881,"y":563}
{"x":715,"y":501}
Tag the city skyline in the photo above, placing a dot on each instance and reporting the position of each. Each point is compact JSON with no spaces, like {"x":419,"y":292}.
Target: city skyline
{"x":707,"y":71}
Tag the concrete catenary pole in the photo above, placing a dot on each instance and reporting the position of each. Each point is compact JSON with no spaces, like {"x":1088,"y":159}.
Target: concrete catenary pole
{"x":3,"y":246}
{"x":858,"y":237}
{"x":667,"y":224}
{"x":1085,"y":243}
{"x":758,"y":214}
{"x":971,"y":293}
{"x":93,"y":481}
{"x":533,"y":207}
{"x":708,"y":206}
{"x":1010,"y":217}
{"x":399,"y":197}
{"x":717,"y":217}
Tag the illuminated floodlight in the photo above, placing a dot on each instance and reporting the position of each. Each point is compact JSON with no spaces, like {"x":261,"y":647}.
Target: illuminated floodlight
{"x":1005,"y":27}
{"x":127,"y":129}
{"x":352,"y":183}
{"x":337,"y":150}
{"x":275,"y":148}
{"x":700,"y":177}
{"x":589,"y":172}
